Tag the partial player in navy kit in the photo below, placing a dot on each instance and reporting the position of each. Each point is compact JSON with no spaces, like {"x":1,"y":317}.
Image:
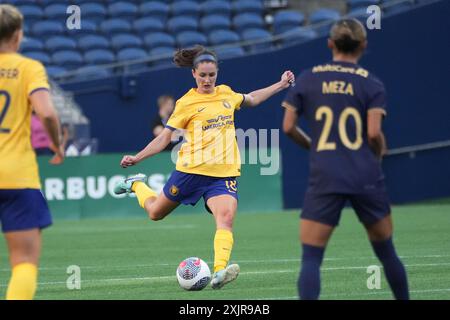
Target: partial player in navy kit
{"x":344,"y":105}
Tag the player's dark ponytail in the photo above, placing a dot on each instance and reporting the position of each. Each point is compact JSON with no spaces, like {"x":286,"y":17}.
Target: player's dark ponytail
{"x":192,"y":56}
{"x":348,"y":35}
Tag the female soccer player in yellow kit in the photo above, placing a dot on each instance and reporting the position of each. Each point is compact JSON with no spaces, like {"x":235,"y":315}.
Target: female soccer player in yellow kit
{"x":23,"y":209}
{"x":208,"y":162}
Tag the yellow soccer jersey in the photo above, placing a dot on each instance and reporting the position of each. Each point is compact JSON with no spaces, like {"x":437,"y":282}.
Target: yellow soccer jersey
{"x":208,"y":119}
{"x":19,"y":77}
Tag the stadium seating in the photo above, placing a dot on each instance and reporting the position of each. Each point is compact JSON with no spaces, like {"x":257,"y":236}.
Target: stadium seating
{"x":298,"y":34}
{"x":247,"y":21}
{"x":166,"y":52}
{"x":90,"y":42}
{"x":32,"y":13}
{"x":220,"y":37}
{"x":116,"y":25}
{"x":182,"y":23}
{"x":158,"y":10}
{"x":323,"y":19}
{"x":99,"y":56}
{"x":216,"y":7}
{"x":55,"y":71}
{"x":69,"y":58}
{"x":45,"y":28}
{"x":131,"y":54}
{"x":56,"y":43}
{"x":398,"y":7}
{"x":93,"y":11}
{"x":248,"y":6}
{"x":286,"y":20}
{"x":124,"y":10}
{"x":159,"y":39}
{"x":125,"y":40}
{"x":214,"y":22}
{"x":191,"y":38}
{"x":39,"y":55}
{"x":230,"y":52}
{"x":148,"y":24}
{"x":31,"y":44}
{"x":354,"y":4}
{"x":185,"y":8}
{"x":57,"y":11}
{"x":257,"y":35}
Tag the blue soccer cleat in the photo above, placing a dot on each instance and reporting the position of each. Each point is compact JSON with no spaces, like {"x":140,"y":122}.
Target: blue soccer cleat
{"x":222,"y":277}
{"x":125,"y":185}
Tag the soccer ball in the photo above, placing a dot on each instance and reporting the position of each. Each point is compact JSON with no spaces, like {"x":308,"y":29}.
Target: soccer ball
{"x":193,"y":274}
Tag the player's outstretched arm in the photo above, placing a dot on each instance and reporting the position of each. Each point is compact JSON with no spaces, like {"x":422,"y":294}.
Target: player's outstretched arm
{"x":43,"y":106}
{"x":154,"y":147}
{"x":254,"y":98}
{"x":291,"y":129}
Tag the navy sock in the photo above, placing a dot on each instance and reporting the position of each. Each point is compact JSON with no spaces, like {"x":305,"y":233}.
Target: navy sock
{"x":309,"y":280}
{"x":393,"y":268}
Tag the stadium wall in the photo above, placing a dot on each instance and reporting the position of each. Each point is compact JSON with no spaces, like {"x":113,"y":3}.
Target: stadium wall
{"x":410,"y":54}
{"x":83,"y":187}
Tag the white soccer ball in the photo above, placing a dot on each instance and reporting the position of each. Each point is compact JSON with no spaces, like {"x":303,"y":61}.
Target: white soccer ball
{"x":193,"y":274}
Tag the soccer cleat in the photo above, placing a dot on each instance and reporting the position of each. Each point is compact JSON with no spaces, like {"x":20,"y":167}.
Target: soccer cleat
{"x":222,"y":277}
{"x":125,"y":185}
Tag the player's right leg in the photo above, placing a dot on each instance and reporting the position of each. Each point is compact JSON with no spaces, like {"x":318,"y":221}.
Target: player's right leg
{"x":320,"y":215}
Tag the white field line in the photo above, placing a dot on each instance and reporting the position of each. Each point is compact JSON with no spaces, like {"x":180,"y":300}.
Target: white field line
{"x":173,"y":278}
{"x":134,"y":266}
{"x":344,"y":295}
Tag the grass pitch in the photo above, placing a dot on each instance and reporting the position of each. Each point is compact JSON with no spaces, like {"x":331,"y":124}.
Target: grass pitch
{"x":137,"y":258}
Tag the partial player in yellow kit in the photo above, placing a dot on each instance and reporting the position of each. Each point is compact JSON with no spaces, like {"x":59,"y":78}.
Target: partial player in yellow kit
{"x":23,"y":208}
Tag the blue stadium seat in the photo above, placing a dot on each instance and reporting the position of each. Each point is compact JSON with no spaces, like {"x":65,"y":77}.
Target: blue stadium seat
{"x":115,"y":26}
{"x":55,"y":71}
{"x":216,"y":7}
{"x":47,"y":28}
{"x":298,"y":34}
{"x":155,"y":9}
{"x":324,"y":18}
{"x":39,"y":56}
{"x":255,"y":35}
{"x":88,"y":27}
{"x":185,"y":8}
{"x":57,"y":11}
{"x":215,"y":22}
{"x":159,"y":39}
{"x":31,"y":44}
{"x":131,"y":54}
{"x":148,"y":24}
{"x":125,"y":40}
{"x":321,"y":15}
{"x":233,"y":52}
{"x":99,"y":56}
{"x":94,"y":11}
{"x":122,"y":9}
{"x":248,"y":6}
{"x":67,"y":58}
{"x":191,"y":38}
{"x":31,"y":13}
{"x":220,"y":37}
{"x":287,"y":19}
{"x":354,"y":4}
{"x":247,"y":21}
{"x":56,"y":43}
{"x":181,"y":23}
{"x":165,"y":54}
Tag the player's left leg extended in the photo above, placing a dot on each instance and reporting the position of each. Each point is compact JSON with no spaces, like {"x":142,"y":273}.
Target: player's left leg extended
{"x":224,"y":209}
{"x":24,"y":251}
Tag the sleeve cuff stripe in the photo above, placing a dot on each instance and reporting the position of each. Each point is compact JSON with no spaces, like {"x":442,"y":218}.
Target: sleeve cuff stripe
{"x":171,"y":128}
{"x":38,"y":89}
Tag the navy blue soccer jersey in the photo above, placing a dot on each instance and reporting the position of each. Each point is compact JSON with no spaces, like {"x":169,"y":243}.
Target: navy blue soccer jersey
{"x":335,"y":98}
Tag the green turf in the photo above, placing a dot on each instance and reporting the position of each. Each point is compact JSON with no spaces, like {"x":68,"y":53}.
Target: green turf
{"x":137,"y":258}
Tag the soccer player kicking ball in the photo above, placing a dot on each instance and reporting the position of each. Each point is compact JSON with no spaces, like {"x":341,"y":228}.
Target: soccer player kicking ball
{"x":208,"y":162}
{"x":344,"y":105}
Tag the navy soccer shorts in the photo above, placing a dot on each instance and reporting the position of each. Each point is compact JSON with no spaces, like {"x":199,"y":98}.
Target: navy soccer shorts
{"x":327,"y":208}
{"x":188,"y":188}
{"x":23,"y":209}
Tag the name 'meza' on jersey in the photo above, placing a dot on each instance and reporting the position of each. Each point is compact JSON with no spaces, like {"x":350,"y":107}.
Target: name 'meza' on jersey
{"x":335,"y":99}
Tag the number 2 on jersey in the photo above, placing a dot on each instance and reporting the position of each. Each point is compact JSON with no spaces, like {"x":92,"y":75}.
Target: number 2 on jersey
{"x":4,"y":109}
{"x":327,"y":112}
